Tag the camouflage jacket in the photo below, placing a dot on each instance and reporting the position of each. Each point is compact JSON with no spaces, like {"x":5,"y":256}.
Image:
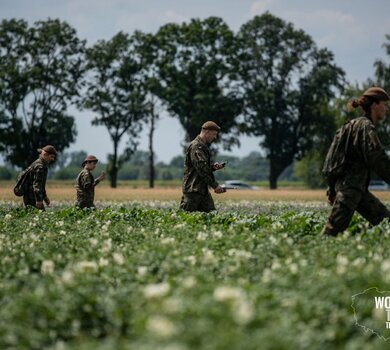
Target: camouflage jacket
{"x":85,"y":187}
{"x":37,"y":180}
{"x":364,"y":153}
{"x":198,"y":173}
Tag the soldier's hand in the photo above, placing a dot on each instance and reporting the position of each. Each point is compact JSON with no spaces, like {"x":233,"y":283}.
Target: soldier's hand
{"x":39,"y":205}
{"x":218,"y":166}
{"x":47,"y":200}
{"x":219,"y":189}
{"x":102,"y":176}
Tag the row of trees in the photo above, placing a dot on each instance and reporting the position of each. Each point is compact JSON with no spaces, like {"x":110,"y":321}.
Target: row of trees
{"x":269,"y":80}
{"x":253,"y":167}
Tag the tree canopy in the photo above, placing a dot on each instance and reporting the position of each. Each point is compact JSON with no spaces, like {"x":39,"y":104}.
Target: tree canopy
{"x":40,"y":77}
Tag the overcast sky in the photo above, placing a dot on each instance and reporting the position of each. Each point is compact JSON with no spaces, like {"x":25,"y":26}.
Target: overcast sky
{"x":354,"y":30}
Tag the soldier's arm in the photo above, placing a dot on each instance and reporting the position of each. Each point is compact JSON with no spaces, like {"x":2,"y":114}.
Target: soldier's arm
{"x":201,"y":165}
{"x":39,"y":184}
{"x":374,"y":155}
{"x":86,"y":182}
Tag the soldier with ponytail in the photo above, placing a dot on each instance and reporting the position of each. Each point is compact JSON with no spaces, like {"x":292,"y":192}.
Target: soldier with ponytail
{"x":355,"y":151}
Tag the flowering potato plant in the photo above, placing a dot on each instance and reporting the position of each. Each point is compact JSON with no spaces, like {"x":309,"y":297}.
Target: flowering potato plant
{"x":142,"y":275}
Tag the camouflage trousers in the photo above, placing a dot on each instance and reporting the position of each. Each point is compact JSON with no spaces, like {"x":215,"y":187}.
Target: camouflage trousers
{"x":345,"y":204}
{"x":29,"y":199}
{"x":197,"y":202}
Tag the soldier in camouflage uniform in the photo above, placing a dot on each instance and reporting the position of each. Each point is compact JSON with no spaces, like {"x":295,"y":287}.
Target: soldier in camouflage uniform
{"x":364,"y":152}
{"x":36,"y":194}
{"x":198,"y":172}
{"x":85,"y":183}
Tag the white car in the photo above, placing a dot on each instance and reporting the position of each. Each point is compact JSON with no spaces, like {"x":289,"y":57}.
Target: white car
{"x":378,"y":185}
{"x":238,"y":185}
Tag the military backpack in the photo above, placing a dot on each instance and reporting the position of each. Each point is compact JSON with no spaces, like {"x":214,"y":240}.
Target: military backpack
{"x":22,"y":182}
{"x":336,"y":158}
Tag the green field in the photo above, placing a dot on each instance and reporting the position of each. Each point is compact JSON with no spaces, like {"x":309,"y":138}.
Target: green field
{"x":140,"y":275}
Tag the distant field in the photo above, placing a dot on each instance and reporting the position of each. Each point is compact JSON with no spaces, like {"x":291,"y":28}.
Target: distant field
{"x":62,"y":190}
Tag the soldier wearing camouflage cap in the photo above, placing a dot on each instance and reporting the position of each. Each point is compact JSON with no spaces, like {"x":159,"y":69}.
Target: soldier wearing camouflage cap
{"x":36,"y":194}
{"x":198,"y":172}
{"x":348,"y":191}
{"x":85,"y":183}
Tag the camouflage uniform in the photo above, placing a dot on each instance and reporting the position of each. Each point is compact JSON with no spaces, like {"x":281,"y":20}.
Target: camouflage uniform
{"x":364,"y":153}
{"x":37,"y":183}
{"x":85,"y":187}
{"x":198,"y":175}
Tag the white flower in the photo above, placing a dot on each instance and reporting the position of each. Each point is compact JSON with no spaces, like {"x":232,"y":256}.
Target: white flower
{"x":67,"y":277}
{"x":94,"y":242}
{"x":178,"y":226}
{"x":275,"y":265}
{"x":191,"y":259}
{"x":47,"y":267}
{"x":156,"y":290}
{"x":142,"y":270}
{"x":242,"y":311}
{"x":226,"y":293}
{"x":167,"y":240}
{"x":106,"y":246}
{"x":239,"y":254}
{"x":385,"y":266}
{"x":63,"y":232}
{"x":172,"y":305}
{"x":342,"y":264}
{"x":161,"y":326}
{"x":103,"y":262}
{"x":208,"y":256}
{"x":217,"y":234}
{"x":189,"y":282}
{"x":202,"y":236}
{"x":86,"y":266}
{"x":118,"y":258}
{"x":106,"y":225}
{"x":7,"y":217}
{"x":59,"y":223}
{"x":276,"y":226}
{"x":293,"y":268}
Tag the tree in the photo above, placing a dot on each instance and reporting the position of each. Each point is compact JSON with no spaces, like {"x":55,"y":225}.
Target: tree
{"x":286,"y":82}
{"x":196,"y":76}
{"x":116,"y":93}
{"x":40,"y":77}
{"x":153,"y":116}
{"x":76,"y":158}
{"x":382,"y":68}
{"x":382,"y":79}
{"x":145,"y":45}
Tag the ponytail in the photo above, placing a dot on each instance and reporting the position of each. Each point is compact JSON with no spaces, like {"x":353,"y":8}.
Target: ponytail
{"x":364,"y":102}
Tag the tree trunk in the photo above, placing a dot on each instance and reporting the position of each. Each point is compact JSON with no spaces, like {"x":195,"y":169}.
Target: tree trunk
{"x":151,"y":153}
{"x":114,"y":176}
{"x":277,"y":166}
{"x":113,"y":170}
{"x":273,"y":173}
{"x":273,"y":182}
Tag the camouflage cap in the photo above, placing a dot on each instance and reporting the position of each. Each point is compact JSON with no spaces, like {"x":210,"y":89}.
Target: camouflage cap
{"x":376,"y":92}
{"x":48,"y":149}
{"x":211,"y":126}
{"x":89,"y":158}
